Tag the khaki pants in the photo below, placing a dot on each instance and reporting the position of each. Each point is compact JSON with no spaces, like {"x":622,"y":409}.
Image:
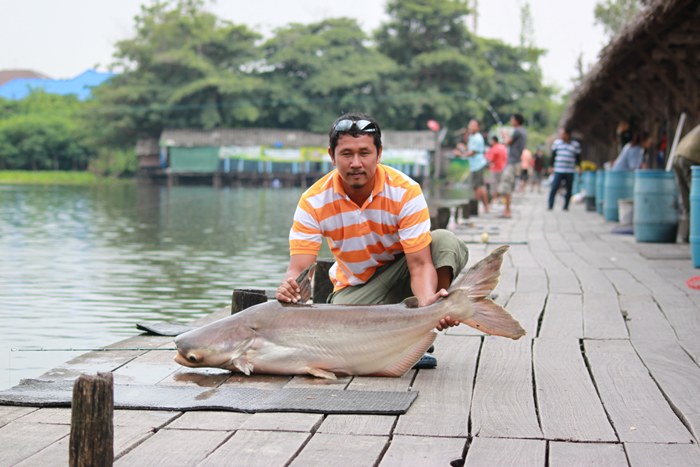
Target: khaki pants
{"x":392,"y":282}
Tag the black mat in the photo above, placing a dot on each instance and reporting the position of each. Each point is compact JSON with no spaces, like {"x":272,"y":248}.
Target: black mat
{"x":39,"y":393}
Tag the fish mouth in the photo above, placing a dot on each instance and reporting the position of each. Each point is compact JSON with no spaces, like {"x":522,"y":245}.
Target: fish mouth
{"x":190,"y":359}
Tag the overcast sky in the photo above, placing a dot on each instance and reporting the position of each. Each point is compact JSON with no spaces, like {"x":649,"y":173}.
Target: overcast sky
{"x":62,"y":38}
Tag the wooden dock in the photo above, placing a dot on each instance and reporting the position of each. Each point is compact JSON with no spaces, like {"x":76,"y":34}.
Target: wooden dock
{"x":607,"y":375}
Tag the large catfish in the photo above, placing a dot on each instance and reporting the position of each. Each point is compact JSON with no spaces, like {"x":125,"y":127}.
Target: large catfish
{"x":326,"y":340}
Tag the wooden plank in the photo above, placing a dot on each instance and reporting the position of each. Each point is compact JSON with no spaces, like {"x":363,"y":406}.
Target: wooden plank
{"x":290,"y":421}
{"x":527,"y":308}
{"x":54,"y":416}
{"x":446,"y":390}
{"x":22,"y":440}
{"x":531,"y":279}
{"x":590,"y":278}
{"x":9,"y":413}
{"x":174,"y":447}
{"x":411,"y":450}
{"x":327,"y":449}
{"x":376,"y":425}
{"x":602,"y":318}
{"x":207,"y":420}
{"x":505,"y":452}
{"x":682,"y":313}
{"x":568,"y":404}
{"x":676,"y":374}
{"x":257,"y":448}
{"x":634,"y":403}
{"x":563,"y":281}
{"x":624,"y":282}
{"x":563,"y":317}
{"x":201,"y":377}
{"x":655,"y":455}
{"x":567,"y":454}
{"x":503,"y":404}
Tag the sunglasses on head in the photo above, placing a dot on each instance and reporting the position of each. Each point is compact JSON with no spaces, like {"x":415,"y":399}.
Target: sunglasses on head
{"x":363,"y":126}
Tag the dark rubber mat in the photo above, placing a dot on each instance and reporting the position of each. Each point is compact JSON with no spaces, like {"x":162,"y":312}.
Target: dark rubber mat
{"x":40,"y":393}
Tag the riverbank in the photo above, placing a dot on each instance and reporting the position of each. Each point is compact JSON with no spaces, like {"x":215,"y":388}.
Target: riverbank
{"x":55,"y":177}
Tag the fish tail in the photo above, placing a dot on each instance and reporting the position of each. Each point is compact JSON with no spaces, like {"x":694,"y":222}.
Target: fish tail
{"x":484,"y":314}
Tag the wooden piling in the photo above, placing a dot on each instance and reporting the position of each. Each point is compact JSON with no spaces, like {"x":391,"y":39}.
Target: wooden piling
{"x":92,"y":430}
{"x":245,"y":298}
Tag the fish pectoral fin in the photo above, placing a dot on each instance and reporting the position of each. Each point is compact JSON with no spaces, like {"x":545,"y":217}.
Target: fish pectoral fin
{"x":408,"y":358}
{"x":319,"y":373}
{"x":243,"y":365}
{"x":411,"y":302}
{"x":304,"y":282}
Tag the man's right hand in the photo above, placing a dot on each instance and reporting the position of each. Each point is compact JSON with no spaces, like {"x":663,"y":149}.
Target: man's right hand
{"x":288,"y":291}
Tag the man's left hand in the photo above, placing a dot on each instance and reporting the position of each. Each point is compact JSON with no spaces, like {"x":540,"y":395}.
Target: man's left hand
{"x":447,"y":321}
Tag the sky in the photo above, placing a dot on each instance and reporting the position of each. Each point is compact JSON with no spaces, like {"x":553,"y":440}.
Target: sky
{"x":64,"y":38}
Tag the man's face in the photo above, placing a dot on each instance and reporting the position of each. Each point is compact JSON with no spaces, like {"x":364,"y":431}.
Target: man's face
{"x":473,"y":127}
{"x":356,"y":159}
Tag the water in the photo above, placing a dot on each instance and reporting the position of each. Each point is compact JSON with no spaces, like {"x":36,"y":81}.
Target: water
{"x":80,"y":266}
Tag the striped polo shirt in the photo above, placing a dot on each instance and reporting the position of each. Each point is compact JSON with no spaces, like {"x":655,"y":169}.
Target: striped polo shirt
{"x":393,"y":220}
{"x":566,"y":155}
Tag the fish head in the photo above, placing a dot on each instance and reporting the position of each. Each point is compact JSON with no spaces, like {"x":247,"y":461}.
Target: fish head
{"x":215,"y":345}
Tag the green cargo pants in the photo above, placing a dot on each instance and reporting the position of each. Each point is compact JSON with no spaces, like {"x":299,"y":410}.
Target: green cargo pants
{"x":392,"y":282}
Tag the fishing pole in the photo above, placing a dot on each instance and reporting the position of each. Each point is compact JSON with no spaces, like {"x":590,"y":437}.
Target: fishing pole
{"x":91,"y":349}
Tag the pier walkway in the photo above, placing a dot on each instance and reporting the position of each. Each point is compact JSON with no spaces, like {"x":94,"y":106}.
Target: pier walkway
{"x":608,"y":373}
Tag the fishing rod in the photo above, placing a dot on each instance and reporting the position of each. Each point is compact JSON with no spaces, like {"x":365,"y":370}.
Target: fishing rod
{"x":91,"y":349}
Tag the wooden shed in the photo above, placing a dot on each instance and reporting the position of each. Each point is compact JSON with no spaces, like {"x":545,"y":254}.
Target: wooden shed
{"x":648,"y":75}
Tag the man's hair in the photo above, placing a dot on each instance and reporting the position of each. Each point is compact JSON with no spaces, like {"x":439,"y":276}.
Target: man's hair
{"x":334,"y":135}
{"x":495,"y":139}
{"x":518,"y":118}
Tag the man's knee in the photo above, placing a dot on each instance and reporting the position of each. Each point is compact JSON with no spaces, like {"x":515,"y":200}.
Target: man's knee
{"x":448,"y":250}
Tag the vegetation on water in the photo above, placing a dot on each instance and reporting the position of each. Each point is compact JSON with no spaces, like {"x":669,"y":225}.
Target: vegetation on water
{"x":187,"y":68}
{"x":52,"y":177}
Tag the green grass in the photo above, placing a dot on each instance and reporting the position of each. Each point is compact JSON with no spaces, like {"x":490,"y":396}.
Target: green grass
{"x":39,"y":177}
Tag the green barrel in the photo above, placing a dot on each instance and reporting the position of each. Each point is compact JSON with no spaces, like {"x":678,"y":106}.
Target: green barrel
{"x":655,"y":206}
{"x":619,"y":184}
{"x":599,"y":190}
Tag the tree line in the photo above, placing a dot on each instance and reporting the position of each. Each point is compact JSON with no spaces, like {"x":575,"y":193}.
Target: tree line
{"x":187,"y":68}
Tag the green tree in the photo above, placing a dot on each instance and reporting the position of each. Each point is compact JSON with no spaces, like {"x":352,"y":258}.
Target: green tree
{"x":613,"y":15}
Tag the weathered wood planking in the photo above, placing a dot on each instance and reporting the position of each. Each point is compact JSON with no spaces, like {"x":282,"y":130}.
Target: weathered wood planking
{"x":327,"y":449}
{"x":201,"y":377}
{"x":9,"y":413}
{"x":568,"y":404}
{"x":209,"y":420}
{"x":19,"y":441}
{"x":563,"y":317}
{"x":674,"y":371}
{"x":684,"y":315}
{"x":649,"y":274}
{"x":635,"y":405}
{"x":624,"y":282}
{"x":504,"y":452}
{"x":174,"y":447}
{"x":602,"y":318}
{"x":590,"y":278}
{"x":286,"y":421}
{"x":657,"y":455}
{"x":445,"y":390}
{"x":522,"y":257}
{"x":257,"y":448}
{"x":563,"y":454}
{"x":503,"y":403}
{"x":531,"y":279}
{"x":423,"y":451}
{"x":563,"y":281}
{"x":527,"y":308}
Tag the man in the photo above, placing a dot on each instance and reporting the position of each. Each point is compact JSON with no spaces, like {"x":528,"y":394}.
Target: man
{"x":687,"y":155}
{"x":474,"y":151}
{"x":497,"y":156}
{"x":566,"y":157}
{"x":516,"y":143}
{"x":376,"y":222}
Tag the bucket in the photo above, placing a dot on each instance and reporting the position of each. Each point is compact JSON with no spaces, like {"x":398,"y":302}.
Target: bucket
{"x":618,"y":184}
{"x":695,"y":216}
{"x":655,"y":206}
{"x":590,"y":188}
{"x":599,"y":190}
{"x":625,"y":210}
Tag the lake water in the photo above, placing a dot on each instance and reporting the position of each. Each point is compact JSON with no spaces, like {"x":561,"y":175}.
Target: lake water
{"x":80,"y":266}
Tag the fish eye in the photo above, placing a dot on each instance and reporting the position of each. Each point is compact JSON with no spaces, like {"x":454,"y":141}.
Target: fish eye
{"x":192,"y":358}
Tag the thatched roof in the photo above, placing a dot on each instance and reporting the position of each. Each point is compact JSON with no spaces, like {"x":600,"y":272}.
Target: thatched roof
{"x":650,"y":72}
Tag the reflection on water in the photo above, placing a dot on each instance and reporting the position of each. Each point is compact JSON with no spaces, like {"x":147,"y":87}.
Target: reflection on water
{"x":80,"y":266}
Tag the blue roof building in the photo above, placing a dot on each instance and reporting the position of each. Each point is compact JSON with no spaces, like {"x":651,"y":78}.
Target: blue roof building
{"x":80,"y":86}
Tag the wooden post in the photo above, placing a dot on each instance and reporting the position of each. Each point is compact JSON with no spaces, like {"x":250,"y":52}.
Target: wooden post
{"x":245,"y":298}
{"x":322,"y":283}
{"x":92,"y":430}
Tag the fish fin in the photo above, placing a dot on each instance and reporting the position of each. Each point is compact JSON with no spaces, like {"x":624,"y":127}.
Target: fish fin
{"x":483,"y":277}
{"x":492,"y":318}
{"x":319,"y":373}
{"x":243,"y":365}
{"x":410,"y":302}
{"x":408,"y":359}
{"x":304,"y":282}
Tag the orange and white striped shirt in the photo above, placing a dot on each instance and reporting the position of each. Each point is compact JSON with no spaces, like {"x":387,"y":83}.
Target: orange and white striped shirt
{"x":393,"y":220}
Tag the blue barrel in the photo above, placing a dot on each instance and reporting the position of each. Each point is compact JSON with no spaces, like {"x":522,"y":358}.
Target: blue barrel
{"x":599,"y":190}
{"x":695,"y":216}
{"x":577,"y":184}
{"x":655,"y":206}
{"x":589,"y":187}
{"x":619,"y":184}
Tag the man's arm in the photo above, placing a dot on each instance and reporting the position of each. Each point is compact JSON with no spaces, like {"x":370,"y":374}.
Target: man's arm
{"x":424,"y":282}
{"x":288,"y":291}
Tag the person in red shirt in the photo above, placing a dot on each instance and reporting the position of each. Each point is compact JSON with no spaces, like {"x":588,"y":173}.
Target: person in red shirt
{"x":497,"y":155}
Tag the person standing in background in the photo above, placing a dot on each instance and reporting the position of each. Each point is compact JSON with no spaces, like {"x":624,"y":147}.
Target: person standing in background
{"x":516,"y":143}
{"x":474,"y":152}
{"x":537,"y":169}
{"x":632,"y":155}
{"x":566,"y":157}
{"x":525,"y":169}
{"x":687,"y":156}
{"x":497,"y":155}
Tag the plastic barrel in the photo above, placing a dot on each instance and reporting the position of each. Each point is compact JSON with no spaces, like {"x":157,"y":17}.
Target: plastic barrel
{"x":618,"y":184}
{"x":599,"y":190}
{"x":695,"y":216}
{"x":589,"y":185}
{"x":577,"y":184}
{"x":655,"y":206}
